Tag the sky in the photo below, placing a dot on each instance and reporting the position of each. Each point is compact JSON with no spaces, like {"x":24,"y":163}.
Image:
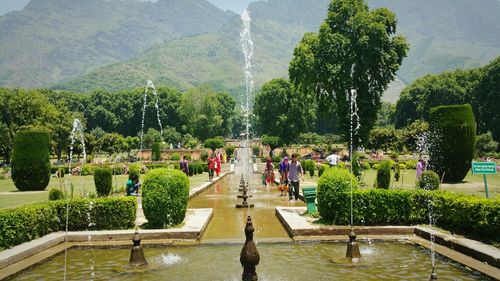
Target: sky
{"x":235,"y":5}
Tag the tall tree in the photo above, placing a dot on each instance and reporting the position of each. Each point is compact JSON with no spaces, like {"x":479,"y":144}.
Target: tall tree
{"x":354,"y":50}
{"x":281,"y":112}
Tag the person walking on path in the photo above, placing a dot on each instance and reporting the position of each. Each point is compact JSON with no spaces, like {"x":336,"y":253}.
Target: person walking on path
{"x":420,"y":168}
{"x":295,"y":173}
{"x":211,"y":167}
{"x":218,"y":163}
{"x":269,"y":172}
{"x":283,"y":169}
{"x":184,"y":165}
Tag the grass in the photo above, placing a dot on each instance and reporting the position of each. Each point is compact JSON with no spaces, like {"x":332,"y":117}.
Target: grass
{"x":472,"y":184}
{"x":10,"y":197}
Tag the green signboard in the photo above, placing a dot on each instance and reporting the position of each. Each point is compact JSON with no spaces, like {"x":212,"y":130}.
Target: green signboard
{"x":484,"y":168}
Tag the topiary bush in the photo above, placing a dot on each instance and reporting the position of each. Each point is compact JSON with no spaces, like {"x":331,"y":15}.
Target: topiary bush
{"x":192,"y":169}
{"x":134,"y":171}
{"x":308,"y":166}
{"x":384,"y":174}
{"x":331,"y":184}
{"x":30,"y":160}
{"x":356,"y":165}
{"x":156,"y":152}
{"x":429,"y":181}
{"x":199,"y":168}
{"x":165,"y":195}
{"x":229,"y":150}
{"x":55,"y":194}
{"x":453,"y":132}
{"x":103,"y":179}
{"x":321,"y":169}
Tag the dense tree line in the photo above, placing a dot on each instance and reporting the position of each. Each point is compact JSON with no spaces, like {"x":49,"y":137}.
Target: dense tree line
{"x":479,"y":87}
{"x":112,"y":120}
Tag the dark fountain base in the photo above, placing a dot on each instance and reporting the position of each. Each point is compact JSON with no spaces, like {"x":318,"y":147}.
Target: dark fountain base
{"x":242,"y":206}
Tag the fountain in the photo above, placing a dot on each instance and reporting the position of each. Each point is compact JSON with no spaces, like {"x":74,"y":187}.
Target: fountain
{"x":150,"y":86}
{"x":137,"y":258}
{"x":353,"y":252}
{"x":249,"y":255}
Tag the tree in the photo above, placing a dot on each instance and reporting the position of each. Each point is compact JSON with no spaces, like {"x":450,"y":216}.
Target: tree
{"x":150,"y":137}
{"x":485,"y":144}
{"x":113,"y":143}
{"x":382,"y":138}
{"x":385,"y":117}
{"x":412,"y":134}
{"x":6,"y":143}
{"x":273,"y":142}
{"x":354,"y":50}
{"x":486,"y":101}
{"x":214,"y":143}
{"x":281,"y":112}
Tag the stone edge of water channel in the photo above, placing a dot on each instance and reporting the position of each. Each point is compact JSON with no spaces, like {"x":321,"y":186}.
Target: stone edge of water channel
{"x":30,"y":253}
{"x":479,"y":256}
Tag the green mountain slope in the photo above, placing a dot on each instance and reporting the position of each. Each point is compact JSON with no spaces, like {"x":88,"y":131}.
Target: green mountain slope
{"x":50,"y":40}
{"x":444,"y":35}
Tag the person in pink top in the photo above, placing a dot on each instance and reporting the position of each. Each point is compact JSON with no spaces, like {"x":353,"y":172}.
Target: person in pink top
{"x":420,"y":168}
{"x":217,"y":164}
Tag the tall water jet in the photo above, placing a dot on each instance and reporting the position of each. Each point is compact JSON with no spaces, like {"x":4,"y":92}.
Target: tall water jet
{"x":353,"y":252}
{"x":150,"y":86}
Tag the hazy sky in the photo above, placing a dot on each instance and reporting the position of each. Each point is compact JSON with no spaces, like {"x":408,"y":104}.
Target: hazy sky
{"x":236,"y":5}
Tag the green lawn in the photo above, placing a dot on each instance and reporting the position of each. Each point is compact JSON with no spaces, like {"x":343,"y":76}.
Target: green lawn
{"x":10,"y":197}
{"x":472,"y":184}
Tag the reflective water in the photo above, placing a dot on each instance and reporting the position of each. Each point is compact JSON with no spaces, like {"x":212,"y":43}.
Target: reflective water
{"x":228,"y":222}
{"x":284,"y":261}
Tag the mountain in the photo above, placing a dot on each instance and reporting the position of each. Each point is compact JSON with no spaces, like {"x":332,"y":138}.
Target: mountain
{"x":443,"y":35}
{"x":50,"y":40}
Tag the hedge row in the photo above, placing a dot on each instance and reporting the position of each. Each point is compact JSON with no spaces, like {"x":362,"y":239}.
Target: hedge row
{"x":467,"y":215}
{"x":22,"y":224}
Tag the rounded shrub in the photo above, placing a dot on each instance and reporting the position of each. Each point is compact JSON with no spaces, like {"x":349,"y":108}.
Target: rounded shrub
{"x":103,"y":180}
{"x":453,"y":132}
{"x":384,"y":174}
{"x":174,"y":157}
{"x":31,"y":160}
{"x":165,"y":194}
{"x":156,"y":152}
{"x":55,"y":194}
{"x":192,"y":170}
{"x":429,"y":181}
{"x":331,"y":185}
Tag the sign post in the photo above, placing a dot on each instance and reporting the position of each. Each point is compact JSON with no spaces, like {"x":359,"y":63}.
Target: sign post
{"x":484,"y":168}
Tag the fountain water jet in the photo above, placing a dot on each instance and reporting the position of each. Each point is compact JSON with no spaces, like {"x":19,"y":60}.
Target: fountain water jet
{"x":150,"y":86}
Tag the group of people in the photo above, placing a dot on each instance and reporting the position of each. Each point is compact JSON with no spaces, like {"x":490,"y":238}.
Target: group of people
{"x":214,"y":165}
{"x":291,"y":172}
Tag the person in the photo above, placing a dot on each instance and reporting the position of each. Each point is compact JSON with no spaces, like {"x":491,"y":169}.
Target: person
{"x":295,"y":173}
{"x":283,"y":170}
{"x":133,"y":186}
{"x":333,"y":159}
{"x":184,"y":165}
{"x":269,"y":172}
{"x":211,"y":167}
{"x":420,"y":168}
{"x":218,"y":163}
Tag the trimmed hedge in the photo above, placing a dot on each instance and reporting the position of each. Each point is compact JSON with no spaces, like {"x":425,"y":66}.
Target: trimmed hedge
{"x":103,"y":180}
{"x":384,"y":174}
{"x":22,"y":224}
{"x":134,"y":171}
{"x":474,"y":217}
{"x":453,"y":131}
{"x":333,"y":183}
{"x":31,"y":160}
{"x":165,"y":195}
{"x":156,"y":152}
{"x":308,"y":166}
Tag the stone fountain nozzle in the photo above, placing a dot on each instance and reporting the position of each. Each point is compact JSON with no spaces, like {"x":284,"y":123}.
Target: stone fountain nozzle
{"x":137,"y":257}
{"x":352,"y":247}
{"x":249,"y":256}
